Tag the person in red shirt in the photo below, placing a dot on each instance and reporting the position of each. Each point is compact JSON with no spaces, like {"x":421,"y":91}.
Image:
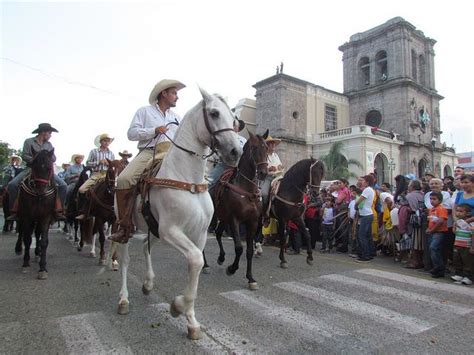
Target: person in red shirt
{"x":437,"y":226}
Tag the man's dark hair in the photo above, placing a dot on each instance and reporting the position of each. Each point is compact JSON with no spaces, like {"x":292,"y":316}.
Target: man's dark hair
{"x":387,"y":185}
{"x":416,"y":184}
{"x":467,"y":177}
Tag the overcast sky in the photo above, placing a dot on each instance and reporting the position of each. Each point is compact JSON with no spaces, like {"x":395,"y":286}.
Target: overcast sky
{"x":86,"y":67}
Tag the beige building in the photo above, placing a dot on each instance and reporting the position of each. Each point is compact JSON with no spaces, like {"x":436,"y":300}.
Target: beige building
{"x":388,"y":116}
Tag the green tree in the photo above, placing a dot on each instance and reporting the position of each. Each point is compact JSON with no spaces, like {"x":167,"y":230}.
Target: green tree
{"x":5,"y":153}
{"x":337,"y":166}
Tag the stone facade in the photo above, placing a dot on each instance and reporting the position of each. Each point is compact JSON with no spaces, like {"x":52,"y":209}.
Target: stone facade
{"x":388,"y":116}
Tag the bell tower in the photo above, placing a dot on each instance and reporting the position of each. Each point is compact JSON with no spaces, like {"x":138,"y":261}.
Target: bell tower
{"x":389,"y":79}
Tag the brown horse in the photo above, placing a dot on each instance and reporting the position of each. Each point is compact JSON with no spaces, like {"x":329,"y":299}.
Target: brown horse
{"x":288,"y":203}
{"x":37,"y":197}
{"x":238,"y":201}
{"x":101,"y":208}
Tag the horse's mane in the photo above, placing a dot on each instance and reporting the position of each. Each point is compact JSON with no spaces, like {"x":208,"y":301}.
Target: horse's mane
{"x":299,"y":172}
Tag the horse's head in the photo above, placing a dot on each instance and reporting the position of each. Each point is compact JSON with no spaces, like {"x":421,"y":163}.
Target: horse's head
{"x":42,"y":169}
{"x":115,"y":167}
{"x":218,"y":132}
{"x":316,"y":174}
{"x":258,"y":151}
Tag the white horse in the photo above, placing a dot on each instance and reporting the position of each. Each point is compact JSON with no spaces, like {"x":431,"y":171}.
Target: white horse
{"x":180,"y":201}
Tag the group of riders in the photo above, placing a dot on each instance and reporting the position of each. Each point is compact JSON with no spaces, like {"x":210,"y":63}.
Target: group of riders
{"x":154,"y":128}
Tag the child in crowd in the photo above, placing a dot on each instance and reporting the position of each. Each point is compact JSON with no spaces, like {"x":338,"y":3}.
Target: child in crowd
{"x":463,"y":258}
{"x":327,"y":213}
{"x":294,"y":238}
{"x":353,"y":220}
{"x":437,"y":226}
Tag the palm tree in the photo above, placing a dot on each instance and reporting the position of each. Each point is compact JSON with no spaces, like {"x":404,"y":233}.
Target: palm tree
{"x":337,"y":166}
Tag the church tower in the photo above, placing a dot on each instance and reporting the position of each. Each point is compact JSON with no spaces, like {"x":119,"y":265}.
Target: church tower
{"x":389,"y":79}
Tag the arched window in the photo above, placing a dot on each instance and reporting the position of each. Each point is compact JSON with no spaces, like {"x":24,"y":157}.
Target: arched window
{"x":421,"y":63}
{"x":414,"y":73}
{"x":381,"y":68}
{"x":364,"y":72}
{"x":373,"y":118}
{"x":447,"y":171}
{"x":381,"y":168}
{"x":422,"y":168}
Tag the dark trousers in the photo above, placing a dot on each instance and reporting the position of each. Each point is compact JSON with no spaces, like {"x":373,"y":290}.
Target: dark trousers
{"x":435,"y":243}
{"x":294,"y":239}
{"x":328,"y":236}
{"x":314,"y":226}
{"x":463,"y":262}
{"x":364,"y":237}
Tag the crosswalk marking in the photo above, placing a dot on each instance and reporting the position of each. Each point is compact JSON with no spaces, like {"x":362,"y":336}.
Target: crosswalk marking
{"x":300,"y":322}
{"x":81,"y":337}
{"x":206,"y":343}
{"x":415,"y":281}
{"x":376,"y":313}
{"x":387,"y":290}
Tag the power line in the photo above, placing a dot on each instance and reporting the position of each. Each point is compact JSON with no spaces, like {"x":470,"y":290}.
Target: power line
{"x":60,"y":78}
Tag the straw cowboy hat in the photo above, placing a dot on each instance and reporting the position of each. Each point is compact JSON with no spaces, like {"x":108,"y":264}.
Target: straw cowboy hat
{"x":14,"y":156}
{"x":44,"y":127}
{"x":125,"y":154}
{"x":163,"y":85}
{"x":274,"y":140}
{"x":74,"y":156}
{"x":101,"y":137}
{"x":65,"y":165}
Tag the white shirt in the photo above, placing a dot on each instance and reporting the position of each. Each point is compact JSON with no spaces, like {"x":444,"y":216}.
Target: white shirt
{"x":242,"y":140}
{"x":352,"y":210}
{"x":274,"y":161}
{"x":142,"y":128}
{"x":365,"y":207}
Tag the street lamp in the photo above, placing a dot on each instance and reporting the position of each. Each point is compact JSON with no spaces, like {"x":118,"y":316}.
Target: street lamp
{"x":433,"y":144}
{"x":391,"y":167}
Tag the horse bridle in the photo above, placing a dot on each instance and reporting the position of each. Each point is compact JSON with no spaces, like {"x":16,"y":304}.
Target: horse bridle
{"x":310,"y":184}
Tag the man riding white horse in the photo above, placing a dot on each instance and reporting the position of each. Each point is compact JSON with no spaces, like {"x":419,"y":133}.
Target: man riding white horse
{"x":152,"y":126}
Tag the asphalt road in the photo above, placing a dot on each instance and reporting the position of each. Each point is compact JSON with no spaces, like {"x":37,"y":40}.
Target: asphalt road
{"x":334,"y":306}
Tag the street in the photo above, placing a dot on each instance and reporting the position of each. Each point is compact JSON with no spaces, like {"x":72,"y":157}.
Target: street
{"x":334,"y":306}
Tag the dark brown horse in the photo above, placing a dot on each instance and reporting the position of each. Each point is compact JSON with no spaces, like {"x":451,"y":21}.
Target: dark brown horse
{"x":238,"y":201}
{"x":101,"y":208}
{"x":37,"y":197}
{"x":288,"y":204}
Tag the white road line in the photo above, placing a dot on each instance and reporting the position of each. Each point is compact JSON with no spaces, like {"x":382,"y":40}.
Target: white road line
{"x":301,"y":323}
{"x":81,"y":337}
{"x":207,"y":344}
{"x":415,"y":281}
{"x":379,"y":314}
{"x":412,"y":296}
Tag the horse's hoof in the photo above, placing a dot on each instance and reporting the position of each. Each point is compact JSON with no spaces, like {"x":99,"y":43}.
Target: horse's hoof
{"x":174,"y":311}
{"x":258,"y":254}
{"x":309,"y":261}
{"x":229,"y":271}
{"x":145,"y":290}
{"x":18,"y":252}
{"x":42,"y":275}
{"x":284,"y":265}
{"x":253,"y":286}
{"x":194,"y":333}
{"x":92,"y":255}
{"x":206,"y":270}
{"x":103,"y":262}
{"x":123,"y":308}
{"x":220,"y":260}
{"x":25,"y":269}
{"x":79,"y":249}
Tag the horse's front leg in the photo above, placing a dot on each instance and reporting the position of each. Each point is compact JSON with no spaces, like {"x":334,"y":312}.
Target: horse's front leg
{"x":44,"y":241}
{"x":102,"y":256}
{"x":219,"y":230}
{"x":282,"y":237}
{"x":185,"y":303}
{"x":205,"y":268}
{"x":149,"y":274}
{"x":234,"y":227}
{"x":26,"y":231}
{"x":251,"y":232}
{"x":123,"y":307}
{"x":304,"y":233}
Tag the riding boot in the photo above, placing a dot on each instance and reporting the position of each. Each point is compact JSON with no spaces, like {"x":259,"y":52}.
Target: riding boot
{"x":125,"y":201}
{"x":82,"y":207}
{"x":14,"y":210}
{"x":59,"y":209}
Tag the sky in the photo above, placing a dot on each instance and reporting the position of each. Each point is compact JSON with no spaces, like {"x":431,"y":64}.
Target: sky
{"x":86,"y":67}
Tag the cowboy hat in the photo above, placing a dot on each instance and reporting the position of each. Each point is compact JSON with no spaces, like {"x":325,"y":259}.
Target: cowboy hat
{"x":101,"y":137}
{"x":125,"y":154}
{"x":163,"y":85}
{"x":274,"y":140}
{"x":14,"y":156}
{"x":74,"y":156}
{"x":44,"y":127}
{"x":65,"y":165}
